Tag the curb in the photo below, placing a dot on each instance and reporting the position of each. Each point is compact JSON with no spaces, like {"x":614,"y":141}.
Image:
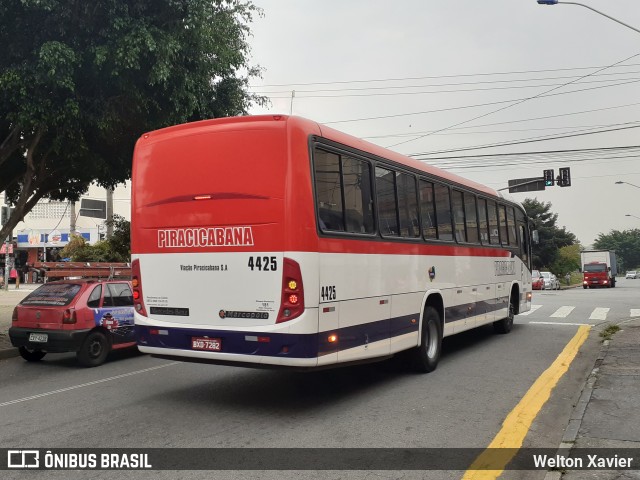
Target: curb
{"x":575,"y":420}
{"x":9,"y":353}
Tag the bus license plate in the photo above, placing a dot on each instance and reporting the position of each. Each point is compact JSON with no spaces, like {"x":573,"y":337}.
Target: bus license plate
{"x":209,"y":344}
{"x":38,"y":337}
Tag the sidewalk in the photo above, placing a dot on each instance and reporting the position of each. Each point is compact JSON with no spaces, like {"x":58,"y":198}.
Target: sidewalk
{"x":8,"y":300}
{"x":608,"y":412}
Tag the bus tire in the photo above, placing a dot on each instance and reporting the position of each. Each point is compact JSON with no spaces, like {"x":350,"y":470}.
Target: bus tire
{"x":94,"y":349}
{"x":425,"y":357}
{"x":31,"y":354}
{"x":506,"y":324}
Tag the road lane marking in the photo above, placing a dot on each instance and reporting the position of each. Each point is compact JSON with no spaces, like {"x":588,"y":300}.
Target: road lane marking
{"x":599,"y":314}
{"x":516,"y":425}
{"x":88,"y":384}
{"x":562,"y":312}
{"x":561,"y":323}
{"x":533,"y":309}
{"x":635,"y":312}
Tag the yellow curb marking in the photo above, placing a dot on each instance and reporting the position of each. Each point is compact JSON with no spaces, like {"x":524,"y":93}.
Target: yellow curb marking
{"x":516,"y":426}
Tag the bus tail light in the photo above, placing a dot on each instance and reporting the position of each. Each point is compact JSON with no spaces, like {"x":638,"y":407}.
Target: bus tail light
{"x":136,"y":283}
{"x":292,"y":301}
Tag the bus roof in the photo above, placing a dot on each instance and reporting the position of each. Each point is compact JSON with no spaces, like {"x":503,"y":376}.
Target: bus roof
{"x":281,"y":121}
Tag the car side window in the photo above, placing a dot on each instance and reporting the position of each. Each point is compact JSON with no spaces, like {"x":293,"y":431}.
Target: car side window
{"x":94,"y":298}
{"x":121,"y":295}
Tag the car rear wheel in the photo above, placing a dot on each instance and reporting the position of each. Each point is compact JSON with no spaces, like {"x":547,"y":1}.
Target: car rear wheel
{"x":94,"y":349}
{"x":31,"y":354}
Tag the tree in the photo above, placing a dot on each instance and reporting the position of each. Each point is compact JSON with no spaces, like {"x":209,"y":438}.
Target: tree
{"x":568,"y":260}
{"x":626,"y":245}
{"x":114,"y":249}
{"x":81,"y":81}
{"x":552,"y":238}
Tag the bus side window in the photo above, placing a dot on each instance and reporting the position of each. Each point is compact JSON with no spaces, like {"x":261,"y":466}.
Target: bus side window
{"x":443,"y":212}
{"x":428,"y":210}
{"x":471,"y":217}
{"x":387,"y":202}
{"x":482,"y":221}
{"x":502,"y":213}
{"x":408,"y":205}
{"x":356,"y":178}
{"x":458,"y":216}
{"x":328,"y":190}
{"x":511,"y":222}
{"x":494,"y":236}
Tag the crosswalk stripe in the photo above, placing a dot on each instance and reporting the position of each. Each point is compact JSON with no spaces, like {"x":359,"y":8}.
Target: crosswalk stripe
{"x":599,"y":314}
{"x":562,"y":312}
{"x":534,"y":308}
{"x":635,"y":312}
{"x":559,"y":323}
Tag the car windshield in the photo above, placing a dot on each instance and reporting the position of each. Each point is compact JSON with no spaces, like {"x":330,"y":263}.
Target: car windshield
{"x":535,"y":273}
{"x":546,"y":274}
{"x":52,"y":294}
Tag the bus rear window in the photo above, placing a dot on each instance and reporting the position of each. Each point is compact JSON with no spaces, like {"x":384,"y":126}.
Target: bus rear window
{"x":60,"y":294}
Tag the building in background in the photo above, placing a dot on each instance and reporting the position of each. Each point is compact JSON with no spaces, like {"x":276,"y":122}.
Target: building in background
{"x":47,"y":228}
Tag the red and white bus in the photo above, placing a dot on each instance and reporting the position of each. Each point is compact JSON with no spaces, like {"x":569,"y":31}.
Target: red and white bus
{"x":274,"y":240}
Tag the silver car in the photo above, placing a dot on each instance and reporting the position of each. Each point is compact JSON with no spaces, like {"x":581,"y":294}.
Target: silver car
{"x":551,"y":282}
{"x":632,"y":274}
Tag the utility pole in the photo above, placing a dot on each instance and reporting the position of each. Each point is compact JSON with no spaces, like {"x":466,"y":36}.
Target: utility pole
{"x":293,"y":95}
{"x":72,"y":219}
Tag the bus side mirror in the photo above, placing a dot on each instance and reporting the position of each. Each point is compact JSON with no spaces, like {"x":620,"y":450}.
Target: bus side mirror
{"x":535,"y":237}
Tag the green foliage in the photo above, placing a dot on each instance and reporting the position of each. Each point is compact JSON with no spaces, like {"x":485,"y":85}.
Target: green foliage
{"x":552,"y":238}
{"x":80,"y":81}
{"x":567,"y":261}
{"x":115,"y":249}
{"x":626,"y":245}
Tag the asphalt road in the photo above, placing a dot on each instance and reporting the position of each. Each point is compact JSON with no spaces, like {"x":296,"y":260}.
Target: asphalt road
{"x":138,"y":401}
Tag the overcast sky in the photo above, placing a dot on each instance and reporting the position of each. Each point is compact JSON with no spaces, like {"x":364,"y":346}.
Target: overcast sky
{"x":453,"y":64}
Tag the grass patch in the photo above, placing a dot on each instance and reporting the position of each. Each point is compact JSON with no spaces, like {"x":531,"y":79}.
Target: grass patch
{"x":608,"y":332}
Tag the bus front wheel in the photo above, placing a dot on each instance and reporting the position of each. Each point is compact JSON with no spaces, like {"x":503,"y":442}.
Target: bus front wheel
{"x":426,"y":356}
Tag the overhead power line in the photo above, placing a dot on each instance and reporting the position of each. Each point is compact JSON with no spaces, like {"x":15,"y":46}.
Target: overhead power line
{"x":517,"y":101}
{"x":517,"y":72}
{"x":540,"y":95}
{"x":457,"y":90}
{"x":543,"y":138}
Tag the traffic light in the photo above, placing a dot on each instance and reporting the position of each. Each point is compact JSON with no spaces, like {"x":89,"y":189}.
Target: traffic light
{"x":564,"y":179}
{"x":549,"y":181}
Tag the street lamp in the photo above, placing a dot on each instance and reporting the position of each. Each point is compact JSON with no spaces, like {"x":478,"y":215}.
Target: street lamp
{"x":620,"y":182}
{"x":629,"y":215}
{"x":554,"y":2}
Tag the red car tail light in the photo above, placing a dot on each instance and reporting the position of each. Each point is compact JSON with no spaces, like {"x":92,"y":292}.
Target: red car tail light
{"x":136,"y":283}
{"x":69,"y":316}
{"x":292,"y":298}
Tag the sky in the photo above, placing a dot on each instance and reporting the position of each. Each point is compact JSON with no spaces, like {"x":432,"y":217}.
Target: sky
{"x":445,"y":81}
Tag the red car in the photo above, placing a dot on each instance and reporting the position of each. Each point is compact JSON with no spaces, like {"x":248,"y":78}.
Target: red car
{"x":537,"y":280}
{"x":88,"y":317}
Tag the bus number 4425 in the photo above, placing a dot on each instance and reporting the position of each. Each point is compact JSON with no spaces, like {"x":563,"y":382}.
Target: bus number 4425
{"x":263,"y":263}
{"x":328,"y":293}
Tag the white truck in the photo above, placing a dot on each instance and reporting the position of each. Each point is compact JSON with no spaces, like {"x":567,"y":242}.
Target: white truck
{"x":599,"y":268}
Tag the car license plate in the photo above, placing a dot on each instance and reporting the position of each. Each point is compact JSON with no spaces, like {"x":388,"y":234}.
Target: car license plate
{"x":39,"y":337}
{"x":209,"y":344}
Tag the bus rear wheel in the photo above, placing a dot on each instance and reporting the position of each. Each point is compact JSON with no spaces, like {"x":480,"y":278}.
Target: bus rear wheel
{"x":506,"y":324}
{"x":425,"y":357}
